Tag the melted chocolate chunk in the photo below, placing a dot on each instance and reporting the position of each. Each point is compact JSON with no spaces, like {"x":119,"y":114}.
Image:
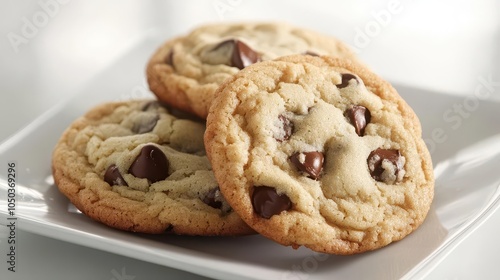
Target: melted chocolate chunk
{"x":151,"y":163}
{"x":267,"y":202}
{"x":346,"y":77}
{"x":242,"y":55}
{"x":211,"y":198}
{"x":309,"y":162}
{"x":385,"y":164}
{"x":285,"y":129}
{"x":170,"y":58}
{"x":359,"y":117}
{"x":145,"y":125}
{"x":113,"y":176}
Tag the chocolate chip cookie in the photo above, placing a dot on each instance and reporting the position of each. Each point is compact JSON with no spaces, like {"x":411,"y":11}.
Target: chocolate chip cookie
{"x":186,"y":71}
{"x":136,"y":166}
{"x":319,"y":152}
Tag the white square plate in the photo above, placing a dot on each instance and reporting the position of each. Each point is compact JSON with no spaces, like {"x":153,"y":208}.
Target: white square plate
{"x":465,"y":146}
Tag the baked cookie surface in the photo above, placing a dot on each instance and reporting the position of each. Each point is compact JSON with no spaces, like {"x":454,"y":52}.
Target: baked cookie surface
{"x":185,"y":72}
{"x":135,"y":166}
{"x":319,"y":152}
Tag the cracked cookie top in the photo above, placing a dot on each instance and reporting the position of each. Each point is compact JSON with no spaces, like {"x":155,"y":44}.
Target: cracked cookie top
{"x":186,"y":71}
{"x":136,"y":166}
{"x":319,"y":152}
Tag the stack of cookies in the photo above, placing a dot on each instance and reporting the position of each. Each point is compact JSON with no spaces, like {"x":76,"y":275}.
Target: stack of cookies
{"x":257,"y":128}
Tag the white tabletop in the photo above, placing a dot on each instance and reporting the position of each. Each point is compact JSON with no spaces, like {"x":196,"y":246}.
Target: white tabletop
{"x":51,"y":48}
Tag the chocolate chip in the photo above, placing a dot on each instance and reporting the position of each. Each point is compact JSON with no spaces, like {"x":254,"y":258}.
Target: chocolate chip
{"x":170,"y":58}
{"x":211,"y":198}
{"x":285,"y":129}
{"x":346,"y":77}
{"x":151,"y":106}
{"x":145,"y":124}
{"x":309,"y":162}
{"x":169,"y":228}
{"x":183,"y":114}
{"x":311,"y":53}
{"x":151,"y":163}
{"x":385,"y":165}
{"x":359,"y":117}
{"x":113,"y":177}
{"x":241,"y":56}
{"x":267,"y":202}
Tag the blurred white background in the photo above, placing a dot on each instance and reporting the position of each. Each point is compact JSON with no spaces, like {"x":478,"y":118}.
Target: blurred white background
{"x":50,"y":49}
